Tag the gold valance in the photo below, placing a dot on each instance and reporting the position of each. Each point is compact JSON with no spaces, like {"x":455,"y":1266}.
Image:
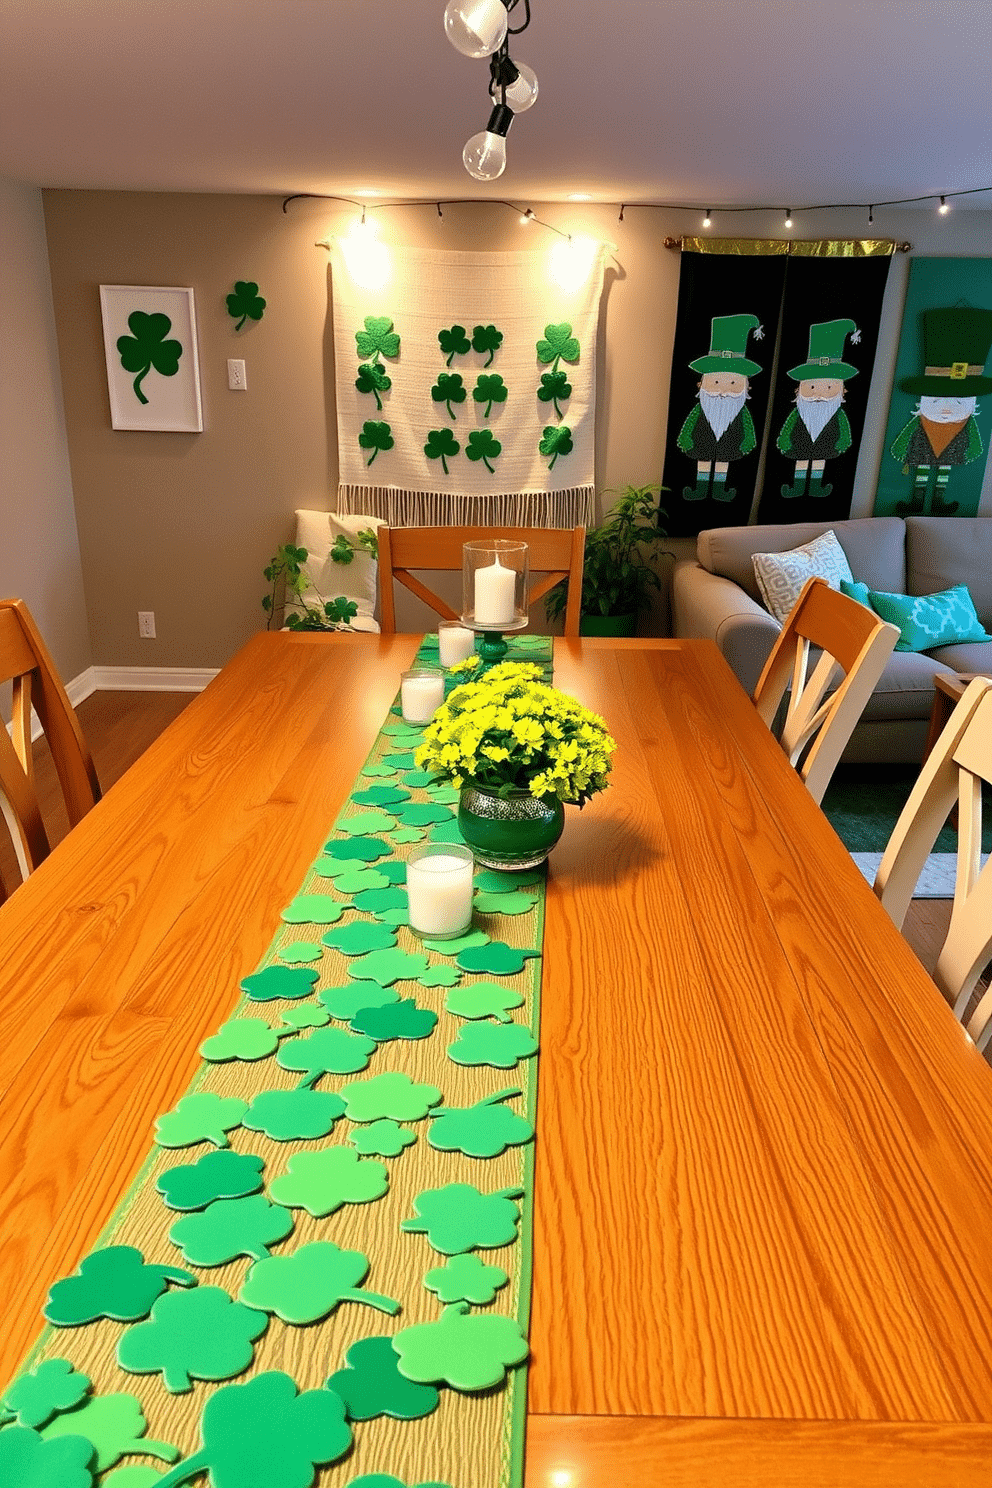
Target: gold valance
{"x":792,"y":247}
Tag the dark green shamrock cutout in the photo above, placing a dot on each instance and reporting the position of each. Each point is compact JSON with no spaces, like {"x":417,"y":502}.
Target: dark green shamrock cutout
{"x":381,"y":795}
{"x":371,"y":1385}
{"x":111,"y":1283}
{"x":294,"y":1115}
{"x":146,"y":347}
{"x":380,"y":901}
{"x":201,"y":1335}
{"x":383,"y":1138}
{"x":498,"y":958}
{"x":367,"y":849}
{"x":320,"y":1182}
{"x":508,"y":904}
{"x":403,"y":1020}
{"x":375,"y":437}
{"x":469,"y":1351}
{"x":449,"y":389}
{"x":245,"y":302}
{"x":51,"y":1387}
{"x":378,"y":338}
{"x":422,"y":814}
{"x":555,"y":388}
{"x":489,"y":389}
{"x":310,"y":1283}
{"x":441,"y":444}
{"x":403,"y":761}
{"x":487,"y":338}
{"x":558,"y":345}
{"x":344,"y":1002}
{"x":264,"y":1432}
{"x":328,"y":1051}
{"x":453,"y":342}
{"x":483,"y":445}
{"x":114,"y":1427}
{"x":373,"y":378}
{"x":28,"y":1462}
{"x":555,"y":442}
{"x":484,"y":1129}
{"x":465,"y":1278}
{"x":359,"y":937}
{"x":459,"y":1217}
{"x":500,"y":1045}
{"x":279,"y":981}
{"x":230,"y":1228}
{"x":217,"y":1175}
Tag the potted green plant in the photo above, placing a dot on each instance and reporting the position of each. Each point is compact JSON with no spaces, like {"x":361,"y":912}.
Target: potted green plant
{"x":619,"y":573}
{"x":288,"y":582}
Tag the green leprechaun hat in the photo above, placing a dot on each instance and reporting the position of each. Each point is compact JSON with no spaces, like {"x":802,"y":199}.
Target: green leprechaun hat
{"x":956,"y":346}
{"x":825,"y":357}
{"x":728,"y":338}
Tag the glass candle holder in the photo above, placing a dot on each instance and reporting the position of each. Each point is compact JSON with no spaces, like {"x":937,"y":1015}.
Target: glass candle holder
{"x":439,"y":886}
{"x":421,"y":693}
{"x":494,"y":584}
{"x":454,"y":642}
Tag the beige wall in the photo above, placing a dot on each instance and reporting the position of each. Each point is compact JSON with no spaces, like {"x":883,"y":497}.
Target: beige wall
{"x":39,"y":546}
{"x":182,"y":524}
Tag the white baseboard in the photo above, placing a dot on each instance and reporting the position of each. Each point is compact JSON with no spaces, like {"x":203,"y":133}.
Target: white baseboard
{"x":146,"y":679}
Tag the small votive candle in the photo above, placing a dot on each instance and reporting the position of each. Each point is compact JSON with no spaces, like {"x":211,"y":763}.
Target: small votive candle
{"x":421,"y":693}
{"x":439,"y":886}
{"x":454,"y":642}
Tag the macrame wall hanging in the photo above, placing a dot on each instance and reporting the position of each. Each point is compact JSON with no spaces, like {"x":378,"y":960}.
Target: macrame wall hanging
{"x":466,"y":389}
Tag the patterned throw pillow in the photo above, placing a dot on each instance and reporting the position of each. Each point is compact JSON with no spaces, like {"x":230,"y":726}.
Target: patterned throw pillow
{"x":856,"y":590}
{"x":929,"y":620}
{"x":780,"y":576}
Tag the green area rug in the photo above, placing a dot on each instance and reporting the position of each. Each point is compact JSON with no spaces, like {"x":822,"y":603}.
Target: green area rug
{"x":863,"y":802}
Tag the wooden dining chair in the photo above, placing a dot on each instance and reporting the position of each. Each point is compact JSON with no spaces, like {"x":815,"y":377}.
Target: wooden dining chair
{"x":26,"y":664}
{"x":819,"y":718}
{"x":555,"y":552}
{"x":952,"y":774}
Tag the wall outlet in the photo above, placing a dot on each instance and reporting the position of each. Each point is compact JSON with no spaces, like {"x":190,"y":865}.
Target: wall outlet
{"x":146,"y":624}
{"x":236,"y":379}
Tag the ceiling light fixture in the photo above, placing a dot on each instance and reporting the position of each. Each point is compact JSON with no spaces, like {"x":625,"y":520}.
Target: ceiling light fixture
{"x":481,"y":28}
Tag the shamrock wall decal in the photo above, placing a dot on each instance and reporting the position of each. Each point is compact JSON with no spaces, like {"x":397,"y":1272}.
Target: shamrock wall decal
{"x":487,"y":338}
{"x":453,"y":342}
{"x":440,"y":444}
{"x":558,"y":345}
{"x":483,"y":445}
{"x":556,"y":441}
{"x":555,"y":386}
{"x":245,"y":302}
{"x":375,"y":437}
{"x":489,"y":389}
{"x":449,"y":389}
{"x":146,"y":347}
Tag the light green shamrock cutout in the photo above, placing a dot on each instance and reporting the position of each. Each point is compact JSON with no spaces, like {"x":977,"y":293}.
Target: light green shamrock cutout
{"x":469,"y":1351}
{"x":377,"y":901}
{"x":403,"y":761}
{"x":444,"y":795}
{"x":300,"y":950}
{"x":418,"y":779}
{"x":133,"y":1476}
{"x":499,"y":959}
{"x":29,"y":1462}
{"x":484,"y":1129}
{"x":465,"y":1278}
{"x":51,"y":1387}
{"x":385,"y":967}
{"x":365,"y":822}
{"x":203,"y":1117}
{"x":113,"y":1425}
{"x":294,"y":1115}
{"x":352,"y":879}
{"x":229,"y":1228}
{"x":327,"y":1051}
{"x":447,"y":832}
{"x":474,"y":938}
{"x":320,"y":1182}
{"x":384,"y":1138}
{"x":360,"y":937}
{"x":392,"y":1095}
{"x":511,"y":904}
{"x":381,"y":795}
{"x":499,"y":1045}
{"x":483,"y":1000}
{"x":422,"y":814}
{"x":208,"y":1336}
{"x":557,"y":345}
{"x":407,"y":733}
{"x":440,"y":976}
{"x":312,"y":909}
{"x":312,"y":1282}
{"x":378,"y":338}
{"x":459,"y":1217}
{"x":385,"y":1480}
{"x":306,"y":1016}
{"x":406,"y":834}
{"x":344,"y":1002}
{"x":489,"y":881}
{"x":240,"y":1038}
{"x":379,"y":772}
{"x":279,"y":981}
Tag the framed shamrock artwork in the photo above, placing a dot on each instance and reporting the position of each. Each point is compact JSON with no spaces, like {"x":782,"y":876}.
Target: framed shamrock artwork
{"x":153,"y":372}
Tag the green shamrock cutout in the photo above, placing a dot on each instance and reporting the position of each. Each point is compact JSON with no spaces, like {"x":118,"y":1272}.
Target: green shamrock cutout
{"x":492,"y":881}
{"x":114,"y":1427}
{"x":50,"y":1388}
{"x":483,"y":445}
{"x":558,"y":345}
{"x":403,"y":1020}
{"x":459,"y":1217}
{"x":449,"y":388}
{"x":313,"y":1281}
{"x":207,"y":1336}
{"x":392,"y":1095}
{"x":378,"y":901}
{"x":556,"y":441}
{"x":375,"y":436}
{"x":29,"y":1462}
{"x":447,"y":832}
{"x":401,"y":734}
{"x":371,"y":1385}
{"x":327,"y":1051}
{"x":381,"y":795}
{"x":484,"y":1129}
{"x":466,"y":1278}
{"x":407,"y":834}
{"x":461,"y":943}
{"x":373,"y":378}
{"x":320,"y":1182}
{"x":401,"y":761}
{"x":113,"y":1283}
{"x":359,"y":938}
{"x":379,"y":771}
{"x":441,"y":445}
{"x":395,"y":871}
{"x":364,"y":822}
{"x":386,"y":1480}
{"x":229,"y":1228}
{"x":366,"y":849}
{"x":498,"y":958}
{"x":298,"y":951}
{"x":555,"y":388}
{"x":384,"y":1138}
{"x":509,"y":904}
{"x":378,"y":338}
{"x":302,"y":1016}
{"x":312,"y":909}
{"x":294,"y":1115}
{"x":489,"y":389}
{"x":279,"y":981}
{"x":203,"y":1117}
{"x":216,"y":1175}
{"x":440,"y":976}
{"x":240,"y":1038}
{"x":265,"y":1432}
{"x":499,"y":1045}
{"x":466,"y":1350}
{"x":344,"y":1002}
{"x":483,"y":1000}
{"x":423,"y":814}
{"x":132,"y":1476}
{"x":350,"y":878}
{"x":245,"y":302}
{"x":146,"y":347}
{"x":386,"y":967}
{"x":487,"y":338}
{"x":444,"y":795}
{"x":453,"y":342}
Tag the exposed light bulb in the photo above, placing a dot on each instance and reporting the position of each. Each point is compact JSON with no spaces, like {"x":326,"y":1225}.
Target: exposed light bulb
{"x":476,"y":28}
{"x":708,"y":219}
{"x":528,"y":216}
{"x":871,"y":215}
{"x":484,"y":156}
{"x":369,"y":261}
{"x":788,"y":216}
{"x":943,"y":209}
{"x":521,"y":90}
{"x":571,"y":261}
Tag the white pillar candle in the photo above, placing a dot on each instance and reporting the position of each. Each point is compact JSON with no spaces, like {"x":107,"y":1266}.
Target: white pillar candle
{"x":421,"y":694}
{"x":494,"y":591}
{"x":439,"y":890}
{"x":454,"y":643}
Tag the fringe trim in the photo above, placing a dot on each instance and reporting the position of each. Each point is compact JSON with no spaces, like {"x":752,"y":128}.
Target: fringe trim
{"x":567,"y":508}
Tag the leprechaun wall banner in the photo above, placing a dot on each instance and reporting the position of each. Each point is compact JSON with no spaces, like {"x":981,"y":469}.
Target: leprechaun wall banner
{"x":940,"y":415}
{"x":466,"y":386}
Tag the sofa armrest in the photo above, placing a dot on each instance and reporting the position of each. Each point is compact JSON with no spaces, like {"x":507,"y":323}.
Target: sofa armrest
{"x":708,"y":607}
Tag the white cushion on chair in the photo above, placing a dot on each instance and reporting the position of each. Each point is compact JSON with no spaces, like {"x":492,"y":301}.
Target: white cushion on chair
{"x":780,"y":576}
{"x":317,"y":531}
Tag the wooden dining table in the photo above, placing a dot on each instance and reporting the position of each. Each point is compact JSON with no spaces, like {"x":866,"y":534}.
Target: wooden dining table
{"x":763,"y":1208}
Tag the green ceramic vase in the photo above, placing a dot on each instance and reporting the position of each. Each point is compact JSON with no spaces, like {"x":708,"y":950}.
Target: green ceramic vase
{"x":509,"y":832}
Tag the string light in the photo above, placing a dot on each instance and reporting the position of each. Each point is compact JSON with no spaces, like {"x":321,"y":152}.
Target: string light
{"x":943,"y":209}
{"x":871,"y":215}
{"x":528,"y":216}
{"x":708,"y":219}
{"x":788,"y":216}
{"x":481,"y":28}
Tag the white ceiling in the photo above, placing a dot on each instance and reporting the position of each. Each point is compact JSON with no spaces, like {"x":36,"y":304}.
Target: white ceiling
{"x":702,"y":102}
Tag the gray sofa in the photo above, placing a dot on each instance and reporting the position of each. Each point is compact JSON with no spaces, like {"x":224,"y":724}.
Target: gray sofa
{"x":715,"y":596}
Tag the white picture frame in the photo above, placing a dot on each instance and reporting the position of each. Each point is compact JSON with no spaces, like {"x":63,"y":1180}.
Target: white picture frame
{"x":150,"y":396}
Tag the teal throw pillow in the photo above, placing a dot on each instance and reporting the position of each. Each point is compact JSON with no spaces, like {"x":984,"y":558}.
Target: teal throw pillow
{"x":929,"y":620}
{"x":856,"y":591}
